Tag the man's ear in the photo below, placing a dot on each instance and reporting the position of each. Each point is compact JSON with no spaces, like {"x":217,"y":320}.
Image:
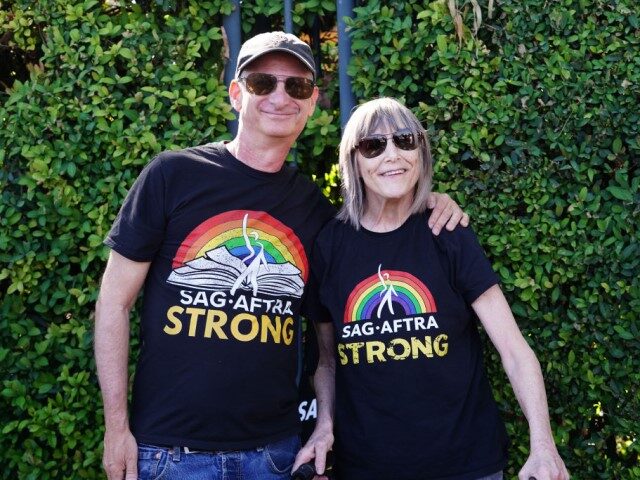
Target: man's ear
{"x":235,"y":95}
{"x":314,"y":98}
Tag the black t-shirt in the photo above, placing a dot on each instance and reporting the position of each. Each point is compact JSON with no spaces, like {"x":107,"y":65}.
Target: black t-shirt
{"x":229,"y":248}
{"x":412,"y":398}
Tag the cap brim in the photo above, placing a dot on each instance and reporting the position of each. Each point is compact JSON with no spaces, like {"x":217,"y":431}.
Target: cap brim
{"x":283,"y":50}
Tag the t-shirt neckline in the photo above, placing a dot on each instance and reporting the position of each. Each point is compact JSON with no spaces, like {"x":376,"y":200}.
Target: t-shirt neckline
{"x":396,"y":231}
{"x":242,"y":167}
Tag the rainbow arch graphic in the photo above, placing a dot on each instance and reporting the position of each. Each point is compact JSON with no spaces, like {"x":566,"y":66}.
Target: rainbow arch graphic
{"x":280,"y":243}
{"x":414,"y":297}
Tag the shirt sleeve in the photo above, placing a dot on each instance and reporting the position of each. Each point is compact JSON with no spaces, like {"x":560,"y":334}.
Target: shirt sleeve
{"x":138,"y":230}
{"x":313,"y":308}
{"x":470,"y":269}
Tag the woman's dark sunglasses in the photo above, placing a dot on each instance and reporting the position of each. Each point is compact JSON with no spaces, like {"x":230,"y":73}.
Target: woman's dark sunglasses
{"x":264,"y":83}
{"x":373,"y":145}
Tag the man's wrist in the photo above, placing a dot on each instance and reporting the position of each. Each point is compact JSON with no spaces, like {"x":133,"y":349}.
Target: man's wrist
{"x":117,"y":423}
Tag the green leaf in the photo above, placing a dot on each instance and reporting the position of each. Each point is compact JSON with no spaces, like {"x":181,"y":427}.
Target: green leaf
{"x":623,"y":333}
{"x":617,"y":145}
{"x":125,"y":53}
{"x":620,"y":193}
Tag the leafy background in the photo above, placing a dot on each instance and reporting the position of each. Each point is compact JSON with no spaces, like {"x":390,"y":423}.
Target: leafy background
{"x":533,"y":116}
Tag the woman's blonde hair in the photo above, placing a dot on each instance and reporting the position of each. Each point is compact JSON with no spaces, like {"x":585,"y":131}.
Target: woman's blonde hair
{"x":364,"y":121}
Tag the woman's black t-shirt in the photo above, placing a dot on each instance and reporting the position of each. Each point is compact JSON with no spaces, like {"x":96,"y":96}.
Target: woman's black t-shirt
{"x":412,"y":397}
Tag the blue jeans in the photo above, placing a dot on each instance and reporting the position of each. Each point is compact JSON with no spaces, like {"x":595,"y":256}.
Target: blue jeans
{"x":271,"y":462}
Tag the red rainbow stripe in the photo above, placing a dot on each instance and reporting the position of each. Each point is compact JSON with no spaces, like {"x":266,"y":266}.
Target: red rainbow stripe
{"x":214,"y":231}
{"x":397,"y":278}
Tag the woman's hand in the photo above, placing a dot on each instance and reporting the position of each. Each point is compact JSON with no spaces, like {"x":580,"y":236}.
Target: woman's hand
{"x":316,"y":449}
{"x":544,"y":463}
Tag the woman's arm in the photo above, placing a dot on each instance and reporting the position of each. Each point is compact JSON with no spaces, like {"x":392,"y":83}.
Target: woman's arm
{"x":523,"y":369}
{"x":321,"y":439}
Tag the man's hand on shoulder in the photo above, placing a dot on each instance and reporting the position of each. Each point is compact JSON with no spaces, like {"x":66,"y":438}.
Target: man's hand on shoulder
{"x":446,"y":213}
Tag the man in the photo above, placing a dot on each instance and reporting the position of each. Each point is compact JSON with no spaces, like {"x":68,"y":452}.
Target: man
{"x":219,"y":235}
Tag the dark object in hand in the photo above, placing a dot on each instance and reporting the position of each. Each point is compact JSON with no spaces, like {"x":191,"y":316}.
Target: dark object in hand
{"x":306,"y":471}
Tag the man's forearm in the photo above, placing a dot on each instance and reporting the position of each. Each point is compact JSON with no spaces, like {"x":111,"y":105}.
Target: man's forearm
{"x":112,"y":358}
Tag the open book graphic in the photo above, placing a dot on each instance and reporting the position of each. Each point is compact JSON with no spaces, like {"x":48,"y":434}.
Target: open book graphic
{"x":218,"y":270}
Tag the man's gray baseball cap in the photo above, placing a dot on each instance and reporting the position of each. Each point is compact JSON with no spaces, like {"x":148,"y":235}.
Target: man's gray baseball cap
{"x":270,"y":42}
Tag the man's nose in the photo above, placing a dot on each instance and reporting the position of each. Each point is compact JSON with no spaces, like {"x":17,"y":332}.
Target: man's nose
{"x":280,"y":95}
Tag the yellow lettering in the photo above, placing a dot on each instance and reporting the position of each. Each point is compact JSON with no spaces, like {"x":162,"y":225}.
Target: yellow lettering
{"x":177,"y":324}
{"x":394,"y":349}
{"x":215,"y":320}
{"x":287,"y":331}
{"x":375,"y":349}
{"x":235,"y":327}
{"x":418,"y":347}
{"x":355,"y":355}
{"x":269,"y":327}
{"x":244,"y":327}
{"x":441,"y":345}
{"x":406,"y":349}
{"x":193,"y":323}
{"x":343,"y":358}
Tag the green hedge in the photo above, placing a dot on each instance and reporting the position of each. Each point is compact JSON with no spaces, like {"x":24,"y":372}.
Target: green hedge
{"x":536,"y":129}
{"x":534,"y":122}
{"x":115,"y":86}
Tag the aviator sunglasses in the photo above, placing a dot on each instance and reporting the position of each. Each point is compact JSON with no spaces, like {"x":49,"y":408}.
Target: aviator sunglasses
{"x":264,"y":83}
{"x":373,"y":145}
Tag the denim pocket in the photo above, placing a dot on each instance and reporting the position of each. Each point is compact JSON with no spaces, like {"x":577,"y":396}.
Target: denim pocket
{"x":152,"y":461}
{"x":280,"y":455}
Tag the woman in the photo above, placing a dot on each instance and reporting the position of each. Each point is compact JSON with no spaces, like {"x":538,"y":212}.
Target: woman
{"x":396,"y":308}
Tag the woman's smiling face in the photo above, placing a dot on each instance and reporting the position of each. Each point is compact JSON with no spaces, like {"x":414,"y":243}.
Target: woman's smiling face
{"x":394,"y":173}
